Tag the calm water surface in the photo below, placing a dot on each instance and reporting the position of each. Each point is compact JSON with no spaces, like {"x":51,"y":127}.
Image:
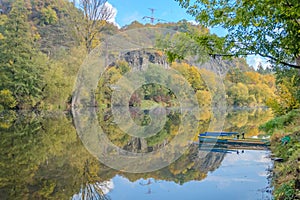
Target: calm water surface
{"x":42,"y":157}
{"x":240,"y":176}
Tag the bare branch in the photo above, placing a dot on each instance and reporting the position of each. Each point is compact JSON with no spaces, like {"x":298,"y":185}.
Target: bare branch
{"x":94,"y":12}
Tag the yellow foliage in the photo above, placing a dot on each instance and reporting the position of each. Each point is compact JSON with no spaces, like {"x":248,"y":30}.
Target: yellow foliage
{"x":7,"y":119}
{"x":254,"y":132}
{"x":7,"y":100}
{"x":238,"y":93}
{"x":287,"y":99}
{"x":36,"y":37}
{"x":254,"y":77}
{"x":48,"y":16}
{"x":269,"y":80}
{"x":204,"y":97}
{"x":205,"y":114}
{"x":252,"y":100}
{"x":209,"y":79}
{"x":160,"y":53}
{"x":1,"y":37}
{"x":240,"y":119}
{"x":3,"y":19}
{"x":95,"y":43}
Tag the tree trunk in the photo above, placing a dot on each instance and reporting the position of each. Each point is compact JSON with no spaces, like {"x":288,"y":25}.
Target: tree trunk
{"x":298,"y":63}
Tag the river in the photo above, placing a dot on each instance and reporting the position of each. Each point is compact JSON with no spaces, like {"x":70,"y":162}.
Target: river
{"x":43,"y":157}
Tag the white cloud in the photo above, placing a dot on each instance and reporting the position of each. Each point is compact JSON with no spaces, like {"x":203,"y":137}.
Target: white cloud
{"x":193,"y":22}
{"x":106,"y":186}
{"x":112,"y":19}
{"x":217,"y":178}
{"x":256,"y":60}
{"x":249,"y":156}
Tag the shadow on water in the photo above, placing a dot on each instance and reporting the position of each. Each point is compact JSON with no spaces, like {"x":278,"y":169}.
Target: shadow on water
{"x":41,"y":157}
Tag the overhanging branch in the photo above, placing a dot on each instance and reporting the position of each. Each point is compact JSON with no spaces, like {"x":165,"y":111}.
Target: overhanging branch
{"x":262,"y":55}
{"x":279,"y":61}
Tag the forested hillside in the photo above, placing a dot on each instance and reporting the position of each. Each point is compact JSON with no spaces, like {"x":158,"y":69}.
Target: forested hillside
{"x":43,"y":46}
{"x":37,"y":65}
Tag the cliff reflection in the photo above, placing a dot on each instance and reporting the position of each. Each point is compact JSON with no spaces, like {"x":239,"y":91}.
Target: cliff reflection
{"x":41,"y":156}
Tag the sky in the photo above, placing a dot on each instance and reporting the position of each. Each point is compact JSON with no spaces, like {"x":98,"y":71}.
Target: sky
{"x":130,"y":10}
{"x":127,"y":11}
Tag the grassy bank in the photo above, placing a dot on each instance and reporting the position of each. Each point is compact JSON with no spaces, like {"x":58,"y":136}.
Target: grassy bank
{"x":285,"y":144}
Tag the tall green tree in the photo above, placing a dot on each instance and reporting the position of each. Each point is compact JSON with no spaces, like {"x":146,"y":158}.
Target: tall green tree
{"x":268,"y":28}
{"x":20,"y":62}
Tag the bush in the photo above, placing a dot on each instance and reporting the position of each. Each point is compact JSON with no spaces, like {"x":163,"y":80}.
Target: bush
{"x":7,"y":100}
{"x":279,"y":122}
{"x":286,"y":191}
{"x":48,"y":16}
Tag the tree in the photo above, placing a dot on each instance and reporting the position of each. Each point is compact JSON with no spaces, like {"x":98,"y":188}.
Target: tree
{"x":20,"y":62}
{"x":48,"y":16}
{"x":238,"y":94}
{"x":268,"y":28}
{"x":194,"y":42}
{"x":95,"y":15}
{"x":287,"y":90}
{"x":133,"y":25}
{"x":7,"y":100}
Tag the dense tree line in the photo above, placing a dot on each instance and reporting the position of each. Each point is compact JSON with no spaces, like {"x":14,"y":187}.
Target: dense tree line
{"x":43,"y":51}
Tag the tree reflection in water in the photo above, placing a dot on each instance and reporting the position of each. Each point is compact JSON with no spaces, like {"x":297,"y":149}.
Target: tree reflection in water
{"x":96,"y":191}
{"x":41,"y":157}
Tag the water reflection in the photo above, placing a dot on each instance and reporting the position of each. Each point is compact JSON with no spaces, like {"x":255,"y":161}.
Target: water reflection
{"x":238,"y":177}
{"x":98,"y":190}
{"x":41,"y":157}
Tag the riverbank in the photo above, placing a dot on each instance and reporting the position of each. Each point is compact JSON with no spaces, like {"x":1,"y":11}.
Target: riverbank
{"x":285,"y":146}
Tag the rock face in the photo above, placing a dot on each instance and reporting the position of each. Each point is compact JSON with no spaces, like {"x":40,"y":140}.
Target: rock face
{"x":205,"y":161}
{"x":137,"y":145}
{"x":140,"y":59}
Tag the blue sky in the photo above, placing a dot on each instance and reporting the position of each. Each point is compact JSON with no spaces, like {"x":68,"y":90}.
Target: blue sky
{"x":128,"y":11}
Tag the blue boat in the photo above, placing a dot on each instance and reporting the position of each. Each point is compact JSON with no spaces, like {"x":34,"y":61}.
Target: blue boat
{"x":216,"y":134}
{"x":249,"y":141}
